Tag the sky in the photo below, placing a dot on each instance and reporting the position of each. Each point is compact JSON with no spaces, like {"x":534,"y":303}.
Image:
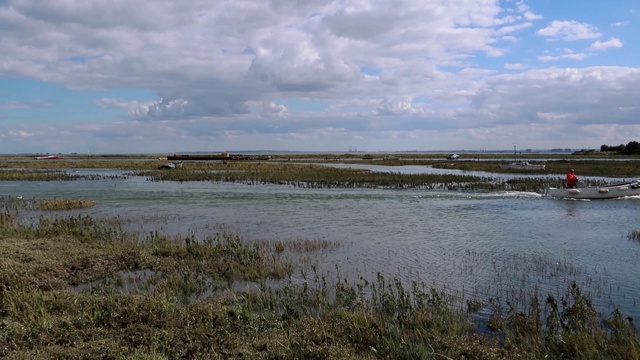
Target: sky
{"x":167,"y":76}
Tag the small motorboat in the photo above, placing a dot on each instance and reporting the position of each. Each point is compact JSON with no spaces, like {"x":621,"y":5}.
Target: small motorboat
{"x":453,"y":157}
{"x":597,"y":192}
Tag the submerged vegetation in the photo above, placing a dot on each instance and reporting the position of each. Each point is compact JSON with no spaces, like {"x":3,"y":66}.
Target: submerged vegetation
{"x":80,"y":287}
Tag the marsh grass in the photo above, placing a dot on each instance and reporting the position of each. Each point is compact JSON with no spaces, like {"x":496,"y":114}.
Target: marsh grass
{"x":35,"y":175}
{"x":64,"y":204}
{"x":317,"y":176}
{"x":300,"y":245}
{"x":294,"y":173}
{"x":17,"y":203}
{"x":634,"y":235}
{"x":177,"y":310}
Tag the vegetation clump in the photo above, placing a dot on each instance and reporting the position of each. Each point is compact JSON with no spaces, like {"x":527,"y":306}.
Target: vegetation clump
{"x":16,"y":203}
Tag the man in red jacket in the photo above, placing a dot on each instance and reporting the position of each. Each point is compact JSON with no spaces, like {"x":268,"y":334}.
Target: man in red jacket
{"x":572,"y":179}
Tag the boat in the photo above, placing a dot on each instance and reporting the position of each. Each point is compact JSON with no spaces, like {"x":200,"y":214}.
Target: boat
{"x":453,"y":157}
{"x":597,"y":192}
{"x":47,"y":157}
{"x":171,"y":165}
{"x":522,"y":165}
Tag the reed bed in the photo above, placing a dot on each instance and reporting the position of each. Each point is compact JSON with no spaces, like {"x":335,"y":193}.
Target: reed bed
{"x":317,"y":176}
{"x":65,"y":292}
{"x":36,"y":175}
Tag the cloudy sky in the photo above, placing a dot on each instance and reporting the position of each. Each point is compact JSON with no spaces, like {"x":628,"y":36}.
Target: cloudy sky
{"x":165,"y":76}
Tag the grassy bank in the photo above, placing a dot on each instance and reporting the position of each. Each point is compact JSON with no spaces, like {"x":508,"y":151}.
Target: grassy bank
{"x":77,"y":287}
{"x":294,"y":173}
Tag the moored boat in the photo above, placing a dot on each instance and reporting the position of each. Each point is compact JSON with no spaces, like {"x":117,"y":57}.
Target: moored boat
{"x":47,"y":157}
{"x":597,"y":192}
{"x":522,"y":165}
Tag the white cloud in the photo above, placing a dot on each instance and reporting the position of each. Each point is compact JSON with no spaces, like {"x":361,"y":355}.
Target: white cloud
{"x":566,"y":56}
{"x":604,"y":45}
{"x":514,"y":66}
{"x":395,"y":106}
{"x":220,"y":72}
{"x":272,"y":109}
{"x":569,"y":31}
{"x":20,"y":133}
{"x":620,"y":24}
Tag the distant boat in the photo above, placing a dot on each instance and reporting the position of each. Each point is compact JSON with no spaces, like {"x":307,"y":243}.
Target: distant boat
{"x":171,"y":165}
{"x":47,"y":157}
{"x":453,"y":157}
{"x":522,"y":165}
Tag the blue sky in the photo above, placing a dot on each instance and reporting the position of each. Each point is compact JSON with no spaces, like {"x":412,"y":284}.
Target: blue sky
{"x":132,"y":76}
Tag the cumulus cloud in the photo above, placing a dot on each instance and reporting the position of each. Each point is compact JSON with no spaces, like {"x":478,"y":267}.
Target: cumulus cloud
{"x":224,"y":70}
{"x":272,"y":109}
{"x":395,"y":106}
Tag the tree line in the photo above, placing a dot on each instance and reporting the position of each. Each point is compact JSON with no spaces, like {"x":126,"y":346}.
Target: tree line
{"x":633,"y":147}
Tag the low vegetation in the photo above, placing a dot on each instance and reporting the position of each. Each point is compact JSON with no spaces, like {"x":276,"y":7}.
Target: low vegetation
{"x":77,"y":287}
{"x":312,"y":171}
{"x":16,"y":203}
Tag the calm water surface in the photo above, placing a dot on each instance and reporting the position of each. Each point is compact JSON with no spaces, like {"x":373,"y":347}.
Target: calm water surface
{"x":478,"y":244}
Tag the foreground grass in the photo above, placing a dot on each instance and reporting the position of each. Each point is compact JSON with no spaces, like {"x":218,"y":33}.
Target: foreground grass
{"x":78,"y":287}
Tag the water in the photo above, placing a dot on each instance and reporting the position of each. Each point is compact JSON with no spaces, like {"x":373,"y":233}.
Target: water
{"x":478,"y":244}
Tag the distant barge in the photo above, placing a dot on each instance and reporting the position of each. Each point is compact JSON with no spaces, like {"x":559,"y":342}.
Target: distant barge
{"x":222,"y":156}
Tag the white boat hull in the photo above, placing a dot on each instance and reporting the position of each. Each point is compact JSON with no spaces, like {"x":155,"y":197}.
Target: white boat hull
{"x":597,"y":192}
{"x":522,"y":166}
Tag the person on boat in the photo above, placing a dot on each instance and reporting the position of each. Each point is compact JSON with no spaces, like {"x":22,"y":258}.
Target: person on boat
{"x":572,"y":179}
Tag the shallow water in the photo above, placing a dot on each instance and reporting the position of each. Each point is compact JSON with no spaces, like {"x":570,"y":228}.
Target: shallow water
{"x":480,"y":244}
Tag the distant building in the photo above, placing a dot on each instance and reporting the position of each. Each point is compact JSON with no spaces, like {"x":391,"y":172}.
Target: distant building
{"x":556,"y":150}
{"x":567,"y":150}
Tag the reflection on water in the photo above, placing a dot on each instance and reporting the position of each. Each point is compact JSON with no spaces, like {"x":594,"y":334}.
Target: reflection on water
{"x":478,"y":244}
